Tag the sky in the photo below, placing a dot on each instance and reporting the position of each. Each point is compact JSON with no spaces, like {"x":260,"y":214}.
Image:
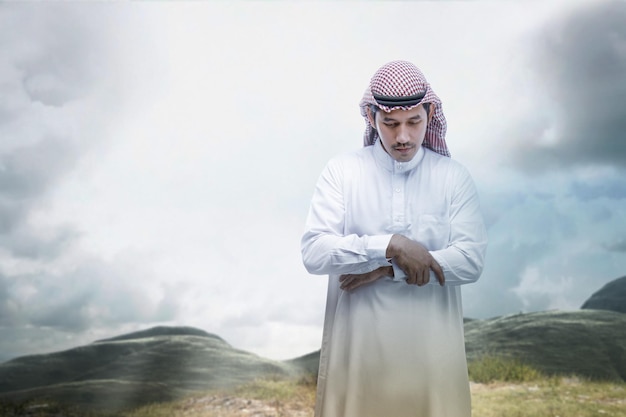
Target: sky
{"x":157,"y":159}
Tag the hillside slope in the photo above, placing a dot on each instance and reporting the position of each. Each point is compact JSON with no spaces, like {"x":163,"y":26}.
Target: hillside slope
{"x":587,"y":343}
{"x":164,"y":363}
{"x":590,"y":343}
{"x":153,"y":365}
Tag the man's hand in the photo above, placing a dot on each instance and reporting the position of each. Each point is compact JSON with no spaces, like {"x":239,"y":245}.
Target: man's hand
{"x":350,"y":282}
{"x":414,"y":260}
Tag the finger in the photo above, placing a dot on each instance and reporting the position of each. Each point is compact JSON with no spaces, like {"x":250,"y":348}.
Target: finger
{"x":423,"y":279}
{"x":417,"y":279}
{"x":345,"y":281}
{"x":353,"y":284}
{"x":438,"y":273}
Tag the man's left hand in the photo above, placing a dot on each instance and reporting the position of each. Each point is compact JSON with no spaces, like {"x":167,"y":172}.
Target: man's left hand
{"x":350,"y":282}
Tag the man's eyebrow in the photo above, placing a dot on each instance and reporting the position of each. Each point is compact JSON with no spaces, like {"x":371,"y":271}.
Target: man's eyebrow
{"x":391,"y":119}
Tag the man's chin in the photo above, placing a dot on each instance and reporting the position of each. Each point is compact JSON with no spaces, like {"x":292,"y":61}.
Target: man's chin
{"x":404,"y":156}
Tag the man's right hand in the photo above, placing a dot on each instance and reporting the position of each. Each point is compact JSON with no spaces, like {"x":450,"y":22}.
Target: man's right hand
{"x":414,"y":260}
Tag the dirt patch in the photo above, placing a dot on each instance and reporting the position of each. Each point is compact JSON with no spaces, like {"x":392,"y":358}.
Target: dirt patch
{"x":228,"y":406}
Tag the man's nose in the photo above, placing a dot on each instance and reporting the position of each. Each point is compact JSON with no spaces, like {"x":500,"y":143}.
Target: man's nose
{"x":403,"y":134}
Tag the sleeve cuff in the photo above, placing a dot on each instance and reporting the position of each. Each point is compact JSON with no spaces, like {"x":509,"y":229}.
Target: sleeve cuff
{"x":377,"y":248}
{"x":398,"y":273}
{"x":441,"y":261}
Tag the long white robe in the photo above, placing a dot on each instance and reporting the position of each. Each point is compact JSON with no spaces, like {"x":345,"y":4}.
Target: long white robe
{"x":390,"y":349}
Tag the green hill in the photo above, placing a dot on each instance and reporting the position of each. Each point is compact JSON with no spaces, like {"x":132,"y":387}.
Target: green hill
{"x":588,"y":343}
{"x":167,"y":363}
{"x":611,"y":297}
{"x":159,"y":364}
{"x":309,"y":363}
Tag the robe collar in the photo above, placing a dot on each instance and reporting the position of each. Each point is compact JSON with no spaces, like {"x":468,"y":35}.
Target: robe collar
{"x":384,"y":160}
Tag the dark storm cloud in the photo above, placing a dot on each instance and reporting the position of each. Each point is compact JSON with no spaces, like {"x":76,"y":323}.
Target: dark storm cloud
{"x":578,"y":63}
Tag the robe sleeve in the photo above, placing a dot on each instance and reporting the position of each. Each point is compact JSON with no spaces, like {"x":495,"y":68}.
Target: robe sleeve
{"x":463,"y":259}
{"x":325,"y":249}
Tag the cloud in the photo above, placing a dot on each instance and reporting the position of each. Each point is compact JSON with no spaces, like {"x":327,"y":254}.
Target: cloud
{"x":568,"y":226}
{"x":574,"y":82}
{"x":172,"y":225}
{"x":92,"y":294}
{"x":544,"y":292}
{"x":26,"y":173}
{"x":46,"y":66}
{"x":57,"y":306}
{"x":613,"y":188}
{"x":53,"y":115}
{"x":555,"y":209}
{"x":617,"y":245}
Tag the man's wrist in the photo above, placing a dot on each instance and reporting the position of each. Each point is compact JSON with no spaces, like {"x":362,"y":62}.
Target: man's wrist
{"x":393,"y":246}
{"x":388,"y":271}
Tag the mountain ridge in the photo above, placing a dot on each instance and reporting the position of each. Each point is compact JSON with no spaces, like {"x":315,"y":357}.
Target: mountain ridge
{"x":157,"y":364}
{"x":165,"y":363}
{"x":157,"y":331}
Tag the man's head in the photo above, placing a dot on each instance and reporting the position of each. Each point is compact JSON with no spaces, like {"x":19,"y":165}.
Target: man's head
{"x":401,"y":132}
{"x":398,"y":87}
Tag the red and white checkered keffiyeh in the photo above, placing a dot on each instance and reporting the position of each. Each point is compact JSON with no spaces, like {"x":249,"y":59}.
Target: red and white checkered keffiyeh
{"x":402,"y":79}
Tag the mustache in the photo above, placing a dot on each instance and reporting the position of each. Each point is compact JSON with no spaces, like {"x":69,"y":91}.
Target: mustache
{"x":403,"y":146}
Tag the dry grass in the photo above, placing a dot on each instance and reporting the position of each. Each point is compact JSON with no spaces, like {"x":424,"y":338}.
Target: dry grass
{"x":548,"y":397}
{"x":495,"y":368}
{"x":540,"y":397}
{"x":552,"y":397}
{"x":262,"y":398}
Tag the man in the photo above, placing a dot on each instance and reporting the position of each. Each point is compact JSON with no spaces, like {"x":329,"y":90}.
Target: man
{"x":397,"y":227}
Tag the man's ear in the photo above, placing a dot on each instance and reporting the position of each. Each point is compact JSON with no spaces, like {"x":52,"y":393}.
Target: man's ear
{"x":371,"y":117}
{"x":431,"y":111}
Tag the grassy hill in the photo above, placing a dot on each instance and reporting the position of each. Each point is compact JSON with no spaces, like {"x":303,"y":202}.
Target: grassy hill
{"x":590,"y":343}
{"x":159,"y":364}
{"x":165,"y":363}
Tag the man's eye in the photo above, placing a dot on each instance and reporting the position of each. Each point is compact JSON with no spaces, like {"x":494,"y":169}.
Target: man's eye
{"x":391,"y":124}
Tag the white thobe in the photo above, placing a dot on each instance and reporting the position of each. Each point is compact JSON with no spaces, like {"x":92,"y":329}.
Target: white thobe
{"x":390,"y":349}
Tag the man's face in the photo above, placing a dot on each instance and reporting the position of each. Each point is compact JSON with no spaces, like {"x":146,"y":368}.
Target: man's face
{"x":402,"y":131}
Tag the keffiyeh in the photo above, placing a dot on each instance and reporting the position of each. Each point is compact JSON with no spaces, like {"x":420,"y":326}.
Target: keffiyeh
{"x":401,"y":85}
